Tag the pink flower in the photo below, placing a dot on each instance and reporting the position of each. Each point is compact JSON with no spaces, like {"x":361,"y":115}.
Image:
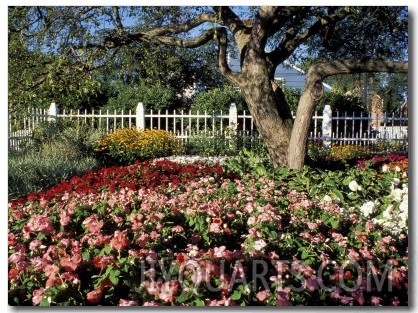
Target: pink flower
{"x":51,"y":270}
{"x":262,"y":295}
{"x":123,"y":302}
{"x":65,"y":217}
{"x":38,"y":263}
{"x":103,"y":261}
{"x":345,"y":299}
{"x":312,"y":225}
{"x":136,"y":220}
{"x":375,"y":300}
{"x":217,"y":252}
{"x":142,"y":240}
{"x":169,"y":290}
{"x":37,"y":295}
{"x":34,"y":244}
{"x":283,"y":296}
{"x":94,"y":296}
{"x":177,"y":229}
{"x":119,"y":240}
{"x":70,"y":263}
{"x":92,"y":224}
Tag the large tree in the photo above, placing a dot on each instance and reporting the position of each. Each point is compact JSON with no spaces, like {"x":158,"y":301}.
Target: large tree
{"x":342,"y":39}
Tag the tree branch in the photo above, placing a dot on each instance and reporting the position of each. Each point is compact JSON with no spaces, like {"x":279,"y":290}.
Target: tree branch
{"x":290,"y":41}
{"x":222,"y":56}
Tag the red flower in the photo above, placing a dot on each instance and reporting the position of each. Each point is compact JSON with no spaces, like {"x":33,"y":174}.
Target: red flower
{"x":13,"y":273}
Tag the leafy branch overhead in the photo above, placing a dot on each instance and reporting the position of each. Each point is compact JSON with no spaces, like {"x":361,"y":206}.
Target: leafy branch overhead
{"x":102,"y":41}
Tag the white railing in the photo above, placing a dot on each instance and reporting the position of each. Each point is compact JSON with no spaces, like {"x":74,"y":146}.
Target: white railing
{"x":330,"y":128}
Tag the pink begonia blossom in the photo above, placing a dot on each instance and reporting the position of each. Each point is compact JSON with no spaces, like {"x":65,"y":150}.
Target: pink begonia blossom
{"x":119,"y":240}
{"x":358,"y":296}
{"x":37,"y":295}
{"x":70,"y":263}
{"x":94,"y":296}
{"x":65,"y":217}
{"x":93,"y":224}
{"x":169,"y":290}
{"x":218,"y":251}
{"x":124,"y":302}
{"x":151,"y":303}
{"x":136,"y":220}
{"x":345,"y":299}
{"x":177,"y":229}
{"x":17,"y":257}
{"x":151,"y":257}
{"x":262,"y":295}
{"x":375,"y":300}
{"x":38,"y":263}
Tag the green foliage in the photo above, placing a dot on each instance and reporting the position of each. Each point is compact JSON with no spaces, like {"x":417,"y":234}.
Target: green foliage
{"x":292,"y":96}
{"x":208,"y":144}
{"x":128,"y":96}
{"x":53,"y":162}
{"x":248,"y":161}
{"x":218,"y":99}
{"x":340,"y":102}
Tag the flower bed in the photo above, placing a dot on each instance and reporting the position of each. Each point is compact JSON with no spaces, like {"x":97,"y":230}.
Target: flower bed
{"x":168,"y":234}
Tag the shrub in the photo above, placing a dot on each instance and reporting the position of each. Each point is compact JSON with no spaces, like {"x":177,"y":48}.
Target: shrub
{"x":153,"y":97}
{"x":124,"y":146}
{"x":34,"y":170}
{"x":57,"y":151}
{"x":219,"y":99}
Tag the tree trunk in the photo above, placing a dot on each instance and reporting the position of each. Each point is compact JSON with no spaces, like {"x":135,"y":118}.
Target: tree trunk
{"x":313,"y":91}
{"x":311,"y":94}
{"x":271,"y":116}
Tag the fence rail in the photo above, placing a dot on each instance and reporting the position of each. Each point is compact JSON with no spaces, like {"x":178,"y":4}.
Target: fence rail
{"x":328,"y":127}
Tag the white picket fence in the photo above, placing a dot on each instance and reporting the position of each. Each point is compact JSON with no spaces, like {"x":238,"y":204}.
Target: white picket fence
{"x":338,"y":128}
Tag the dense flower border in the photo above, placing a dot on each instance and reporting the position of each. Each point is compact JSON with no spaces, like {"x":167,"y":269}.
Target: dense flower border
{"x":161,"y":233}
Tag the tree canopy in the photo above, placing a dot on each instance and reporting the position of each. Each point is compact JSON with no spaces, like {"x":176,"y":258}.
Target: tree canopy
{"x":330,"y":40}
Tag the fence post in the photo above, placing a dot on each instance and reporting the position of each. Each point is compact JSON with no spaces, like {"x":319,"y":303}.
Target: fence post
{"x":140,"y":116}
{"x":233,"y":118}
{"x":327,"y":127}
{"x":52,"y":112}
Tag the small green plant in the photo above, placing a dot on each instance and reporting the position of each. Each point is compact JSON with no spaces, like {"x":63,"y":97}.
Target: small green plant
{"x":248,"y":161}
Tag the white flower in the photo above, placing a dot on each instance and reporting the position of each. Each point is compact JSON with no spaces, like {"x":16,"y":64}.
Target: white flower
{"x":396,"y":182}
{"x":367,"y":208}
{"x":385,"y":168}
{"x":354,"y":186}
{"x":397,"y":168}
{"x":259,"y":244}
{"x":327,"y":199}
{"x":403,"y":207}
{"x":387,"y":212}
{"x":396,"y":194}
